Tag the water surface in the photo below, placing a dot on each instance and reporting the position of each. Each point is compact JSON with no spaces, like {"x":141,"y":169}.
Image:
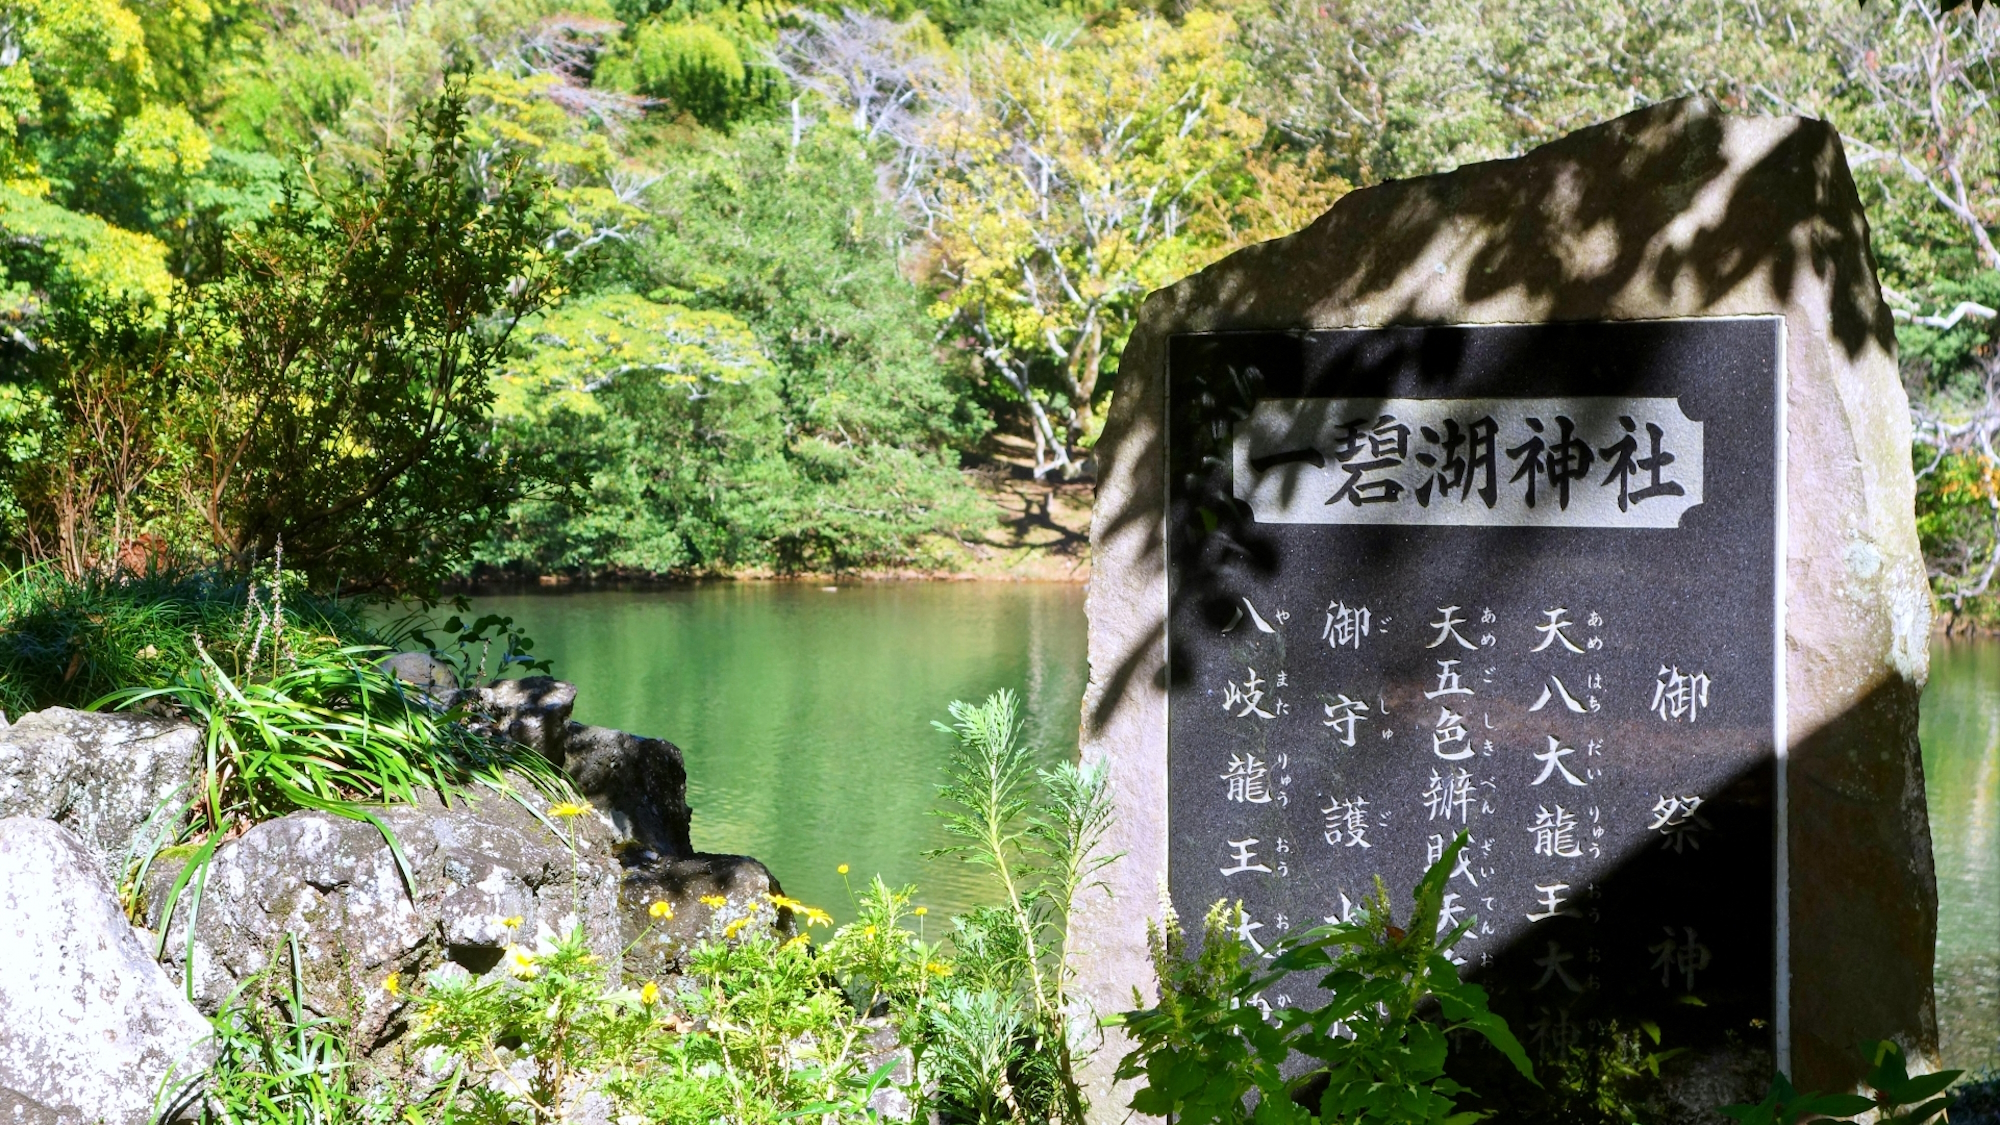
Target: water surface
{"x":805,"y":716}
{"x":1961,"y":738}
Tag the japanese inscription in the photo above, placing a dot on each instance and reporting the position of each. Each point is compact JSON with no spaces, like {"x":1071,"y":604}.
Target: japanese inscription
{"x":1584,"y":462}
{"x":1514,"y":582}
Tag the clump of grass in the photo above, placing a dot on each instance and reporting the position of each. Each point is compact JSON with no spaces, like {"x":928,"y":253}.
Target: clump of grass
{"x":65,"y":642}
{"x":296,"y":709}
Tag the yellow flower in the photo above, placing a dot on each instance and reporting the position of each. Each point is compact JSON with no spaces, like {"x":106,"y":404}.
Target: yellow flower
{"x":513,"y":923}
{"x":714,"y":902}
{"x":842,"y":869}
{"x":660,"y":910}
{"x":921,"y":911}
{"x":937,"y":968}
{"x":520,"y":963}
{"x":731,"y":929}
{"x":817,"y":917}
{"x":867,"y":931}
{"x":393,"y":984}
{"x":568,"y":809}
{"x":650,"y":993}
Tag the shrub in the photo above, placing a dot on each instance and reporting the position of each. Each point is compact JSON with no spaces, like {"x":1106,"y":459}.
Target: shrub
{"x":1212,"y":1049}
{"x":67,"y":641}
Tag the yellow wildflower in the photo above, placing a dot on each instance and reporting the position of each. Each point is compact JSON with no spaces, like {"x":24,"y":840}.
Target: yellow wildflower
{"x":513,"y":923}
{"x":937,"y":968}
{"x":650,"y":993}
{"x":785,"y":903}
{"x":842,"y":869}
{"x":568,"y":809}
{"x":921,"y":911}
{"x":817,"y":917}
{"x":393,"y":984}
{"x":520,"y":963}
{"x":867,"y":931}
{"x":731,"y":929}
{"x":714,"y":902}
{"x":660,"y":910}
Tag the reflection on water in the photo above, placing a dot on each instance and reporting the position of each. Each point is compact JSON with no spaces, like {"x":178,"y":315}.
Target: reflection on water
{"x":806,"y":716}
{"x":1961,"y":737}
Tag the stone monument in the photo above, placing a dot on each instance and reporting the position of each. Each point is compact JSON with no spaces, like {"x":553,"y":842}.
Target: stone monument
{"x":1564,"y":502}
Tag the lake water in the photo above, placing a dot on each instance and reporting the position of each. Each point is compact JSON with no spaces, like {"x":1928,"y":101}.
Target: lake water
{"x":1961,"y":736}
{"x":805,"y":718}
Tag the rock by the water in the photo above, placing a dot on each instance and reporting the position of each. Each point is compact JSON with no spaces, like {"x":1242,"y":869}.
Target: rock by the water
{"x":639,"y":783}
{"x":421,"y":670}
{"x":533,"y":711}
{"x":103,"y":776}
{"x":91,"y":1028}
{"x":477,"y":865}
{"x":658,"y":947}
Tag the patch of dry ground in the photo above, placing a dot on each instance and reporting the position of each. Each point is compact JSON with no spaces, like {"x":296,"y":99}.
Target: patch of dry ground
{"x":1043,"y":528}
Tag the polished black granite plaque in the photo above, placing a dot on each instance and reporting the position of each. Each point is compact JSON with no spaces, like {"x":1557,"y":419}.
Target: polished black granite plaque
{"x":1514,"y":581}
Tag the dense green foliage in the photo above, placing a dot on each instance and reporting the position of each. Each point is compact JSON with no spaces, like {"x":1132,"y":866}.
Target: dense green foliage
{"x":1894,"y":1098}
{"x":1213,"y":1048}
{"x":677,"y":286}
{"x":69,"y":642}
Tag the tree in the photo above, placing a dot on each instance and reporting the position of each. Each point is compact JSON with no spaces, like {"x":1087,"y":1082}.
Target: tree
{"x":792,"y":411}
{"x":338,"y":375}
{"x":1067,"y":180}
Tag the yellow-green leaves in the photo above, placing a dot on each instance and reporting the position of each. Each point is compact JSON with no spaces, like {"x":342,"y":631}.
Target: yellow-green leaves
{"x":82,"y":256}
{"x":1073,"y":179}
{"x":584,"y":346}
{"x":162,"y":141}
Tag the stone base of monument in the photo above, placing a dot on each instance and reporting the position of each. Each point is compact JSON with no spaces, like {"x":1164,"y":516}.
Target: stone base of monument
{"x":1564,"y":502}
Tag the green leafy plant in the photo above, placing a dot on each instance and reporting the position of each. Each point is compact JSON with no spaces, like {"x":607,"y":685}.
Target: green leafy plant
{"x":67,"y":641}
{"x":1212,"y":1049}
{"x":298,"y":725}
{"x":1039,"y":833}
{"x":552,"y":1011}
{"x":758,"y":1033}
{"x":278,"y":1063}
{"x":457,"y":641}
{"x":1898,"y":1098}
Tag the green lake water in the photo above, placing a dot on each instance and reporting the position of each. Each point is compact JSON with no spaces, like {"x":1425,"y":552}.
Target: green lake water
{"x":1961,"y":736}
{"x":805,"y":719}
{"x":805,"y":716}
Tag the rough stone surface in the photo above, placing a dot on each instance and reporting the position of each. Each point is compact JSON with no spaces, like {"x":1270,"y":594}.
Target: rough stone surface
{"x":20,"y":1109}
{"x":1673,"y":211}
{"x":90,"y":1026}
{"x":659,"y":947}
{"x":533,"y":711}
{"x":638,"y":783}
{"x":102,"y":776}
{"x":334,"y":883}
{"x":422,"y":670}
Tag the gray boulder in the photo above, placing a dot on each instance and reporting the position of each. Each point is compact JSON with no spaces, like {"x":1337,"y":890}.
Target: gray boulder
{"x":658,"y":947}
{"x":102,"y":776}
{"x":639,"y":784}
{"x":335,"y":884}
{"x":421,"y":670}
{"x":91,"y":1028}
{"x":533,"y":711}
